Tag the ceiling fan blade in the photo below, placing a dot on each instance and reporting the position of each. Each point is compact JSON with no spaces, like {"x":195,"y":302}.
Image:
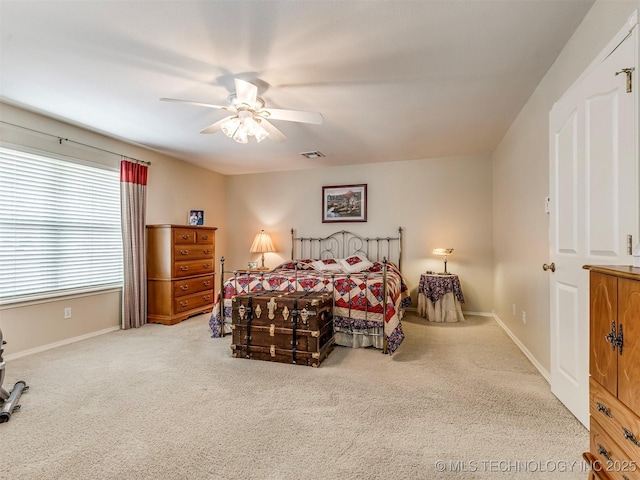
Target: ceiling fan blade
{"x":208,"y":105}
{"x":292,"y":115}
{"x":274,"y":134}
{"x":246,"y":92}
{"x":214,"y":127}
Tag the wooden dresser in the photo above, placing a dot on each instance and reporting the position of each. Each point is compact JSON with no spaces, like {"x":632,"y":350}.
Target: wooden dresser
{"x":180,"y":272}
{"x":614,"y":367}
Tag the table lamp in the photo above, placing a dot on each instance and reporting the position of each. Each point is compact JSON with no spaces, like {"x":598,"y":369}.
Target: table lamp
{"x":261,"y":244}
{"x":443,"y":252}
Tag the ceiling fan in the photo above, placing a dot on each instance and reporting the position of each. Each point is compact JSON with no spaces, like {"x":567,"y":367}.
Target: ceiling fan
{"x":249,"y":116}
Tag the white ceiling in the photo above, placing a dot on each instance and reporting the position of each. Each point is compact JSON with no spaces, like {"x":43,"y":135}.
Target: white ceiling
{"x":394,"y":80}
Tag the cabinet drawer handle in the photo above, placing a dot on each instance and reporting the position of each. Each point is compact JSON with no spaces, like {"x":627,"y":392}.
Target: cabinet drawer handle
{"x":205,"y":237}
{"x":184,"y":304}
{"x":207,"y":283}
{"x":631,"y":437}
{"x":184,"y":252}
{"x":605,"y":410}
{"x":207,"y":265}
{"x":184,"y":287}
{"x":186,"y":237}
{"x":207,"y":252}
{"x":611,"y":336}
{"x":207,"y":297}
{"x":620,"y":339}
{"x":603,"y":451}
{"x":184,"y":268}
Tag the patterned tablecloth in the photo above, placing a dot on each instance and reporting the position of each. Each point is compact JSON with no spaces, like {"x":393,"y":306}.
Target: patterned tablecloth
{"x":434,"y":286}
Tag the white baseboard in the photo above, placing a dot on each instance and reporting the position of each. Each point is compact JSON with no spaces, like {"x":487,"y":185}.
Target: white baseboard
{"x":67,"y":341}
{"x":527,"y":353}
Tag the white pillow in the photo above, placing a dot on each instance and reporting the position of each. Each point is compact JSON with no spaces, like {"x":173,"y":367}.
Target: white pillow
{"x":355,"y":263}
{"x":327,"y":265}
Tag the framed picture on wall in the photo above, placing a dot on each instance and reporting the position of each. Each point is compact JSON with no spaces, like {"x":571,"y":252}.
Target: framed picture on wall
{"x":196,"y":217}
{"x":344,"y":203}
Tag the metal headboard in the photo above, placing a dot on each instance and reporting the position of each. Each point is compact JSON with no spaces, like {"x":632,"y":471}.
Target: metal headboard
{"x":342,"y":244}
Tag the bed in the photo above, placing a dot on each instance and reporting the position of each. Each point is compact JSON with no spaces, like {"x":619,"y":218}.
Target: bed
{"x":363,"y":273}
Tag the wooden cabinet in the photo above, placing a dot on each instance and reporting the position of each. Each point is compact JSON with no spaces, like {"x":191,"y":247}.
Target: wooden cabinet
{"x":614,"y":367}
{"x":180,"y":272}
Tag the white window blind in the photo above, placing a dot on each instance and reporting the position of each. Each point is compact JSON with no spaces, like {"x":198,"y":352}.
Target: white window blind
{"x":59,"y":226}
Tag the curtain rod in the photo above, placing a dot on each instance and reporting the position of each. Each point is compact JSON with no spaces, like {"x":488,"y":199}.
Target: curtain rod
{"x":62,"y":139}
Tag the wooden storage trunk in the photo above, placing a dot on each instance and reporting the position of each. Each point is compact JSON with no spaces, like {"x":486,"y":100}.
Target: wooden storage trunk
{"x":286,"y":327}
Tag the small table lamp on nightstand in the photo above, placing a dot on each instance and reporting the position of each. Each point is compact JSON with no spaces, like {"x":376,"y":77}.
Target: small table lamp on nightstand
{"x":261,"y":244}
{"x":443,"y":252}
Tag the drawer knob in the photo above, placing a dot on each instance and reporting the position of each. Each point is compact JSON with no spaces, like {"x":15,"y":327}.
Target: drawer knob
{"x":207,"y":283}
{"x":185,"y":237}
{"x":184,"y":287}
{"x":207,"y":265}
{"x":184,"y":252}
{"x":205,"y":237}
{"x":184,"y":304}
{"x":207,"y":297}
{"x":184,"y":268}
{"x":207,"y":252}
{"x":603,"y":451}
{"x":631,"y":437}
{"x":605,"y":410}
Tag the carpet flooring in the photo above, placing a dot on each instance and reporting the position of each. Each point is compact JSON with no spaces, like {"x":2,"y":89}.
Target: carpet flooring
{"x":456,"y":401}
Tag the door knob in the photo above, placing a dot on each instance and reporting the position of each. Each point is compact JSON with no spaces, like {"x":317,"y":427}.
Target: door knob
{"x":551,"y":266}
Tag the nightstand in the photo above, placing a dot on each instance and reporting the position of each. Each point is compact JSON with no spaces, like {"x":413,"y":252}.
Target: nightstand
{"x":440,"y":298}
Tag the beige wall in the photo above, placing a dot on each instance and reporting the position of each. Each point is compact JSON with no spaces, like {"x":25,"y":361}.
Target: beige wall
{"x":520,"y":184}
{"x":174,"y":188}
{"x":442,"y":202}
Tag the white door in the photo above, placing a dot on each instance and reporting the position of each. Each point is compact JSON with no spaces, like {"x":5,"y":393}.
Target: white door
{"x":594,"y":206}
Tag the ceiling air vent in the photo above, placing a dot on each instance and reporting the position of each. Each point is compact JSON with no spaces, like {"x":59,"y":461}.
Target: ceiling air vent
{"x":314,"y":154}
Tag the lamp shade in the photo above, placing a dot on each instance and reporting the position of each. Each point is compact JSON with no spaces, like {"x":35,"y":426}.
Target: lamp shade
{"x":443,"y":252}
{"x":262,"y":243}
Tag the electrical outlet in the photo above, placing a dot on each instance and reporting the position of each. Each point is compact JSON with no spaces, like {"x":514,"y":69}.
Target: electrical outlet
{"x":513,"y":309}
{"x":524,"y":317}
{"x":67,"y":312}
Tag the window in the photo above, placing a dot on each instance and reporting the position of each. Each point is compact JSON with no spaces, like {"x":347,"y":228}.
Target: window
{"x":59,"y":226}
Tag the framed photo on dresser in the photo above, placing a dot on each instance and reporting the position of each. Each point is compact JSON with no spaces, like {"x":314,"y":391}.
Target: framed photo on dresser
{"x":196,"y":217}
{"x":344,"y":203}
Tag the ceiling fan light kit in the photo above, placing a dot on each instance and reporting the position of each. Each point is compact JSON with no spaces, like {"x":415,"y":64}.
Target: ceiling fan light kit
{"x":249,"y":117}
{"x":243,"y":126}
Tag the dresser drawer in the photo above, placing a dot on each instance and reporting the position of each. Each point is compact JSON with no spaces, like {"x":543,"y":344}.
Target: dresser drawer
{"x":612,"y":459}
{"x":195,"y":267}
{"x":621,"y":423}
{"x":192,"y":285}
{"x":184,"y":236}
{"x":182,"y":304}
{"x":192,"y":252}
{"x":204,"y":237}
